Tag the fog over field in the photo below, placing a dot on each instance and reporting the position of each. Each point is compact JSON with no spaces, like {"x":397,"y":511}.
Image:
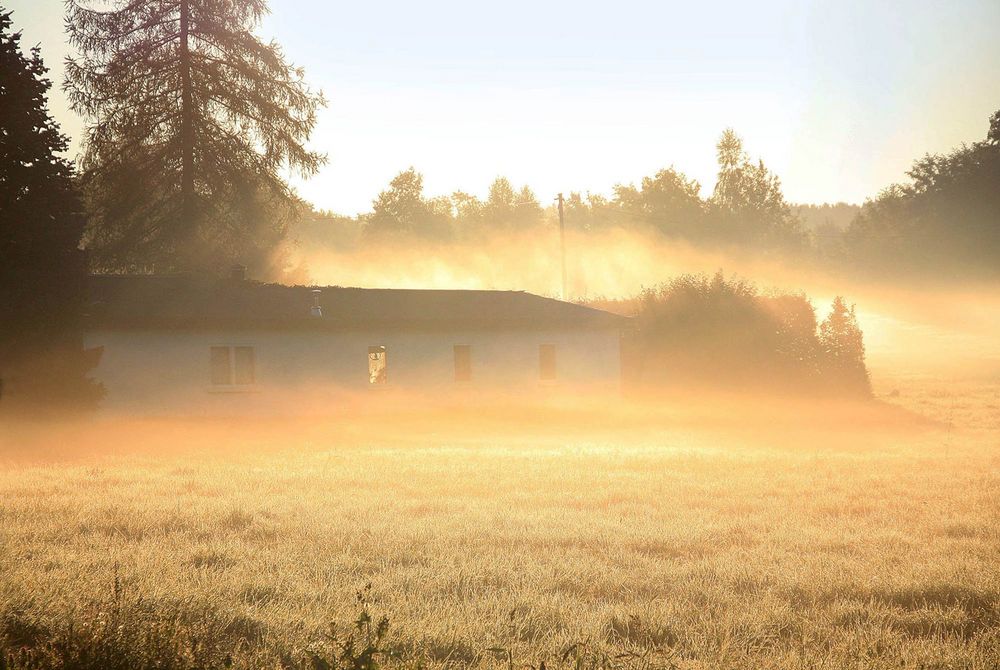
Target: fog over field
{"x":684,"y":532}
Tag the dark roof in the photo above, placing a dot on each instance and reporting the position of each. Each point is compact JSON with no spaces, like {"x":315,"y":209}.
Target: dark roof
{"x":178,"y":301}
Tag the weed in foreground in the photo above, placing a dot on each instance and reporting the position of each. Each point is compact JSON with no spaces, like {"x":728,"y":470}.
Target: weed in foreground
{"x":364,"y":647}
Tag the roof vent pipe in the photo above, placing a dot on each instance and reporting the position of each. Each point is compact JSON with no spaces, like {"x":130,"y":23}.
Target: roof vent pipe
{"x":316,"y":310}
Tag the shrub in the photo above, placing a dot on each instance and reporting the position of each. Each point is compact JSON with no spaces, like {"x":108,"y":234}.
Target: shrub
{"x":724,"y":332}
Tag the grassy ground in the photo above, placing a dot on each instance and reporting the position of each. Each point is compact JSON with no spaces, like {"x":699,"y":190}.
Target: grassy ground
{"x":697,"y":535}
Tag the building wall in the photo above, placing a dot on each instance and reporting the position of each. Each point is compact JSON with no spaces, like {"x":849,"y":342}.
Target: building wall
{"x":169,"y":371}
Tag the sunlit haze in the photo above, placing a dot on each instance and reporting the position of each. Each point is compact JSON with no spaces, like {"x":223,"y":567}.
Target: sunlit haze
{"x":836,"y":97}
{"x":609,"y":336}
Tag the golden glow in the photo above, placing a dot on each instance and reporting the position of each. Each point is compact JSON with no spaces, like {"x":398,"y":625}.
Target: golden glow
{"x":689,"y":526}
{"x":908,"y":328}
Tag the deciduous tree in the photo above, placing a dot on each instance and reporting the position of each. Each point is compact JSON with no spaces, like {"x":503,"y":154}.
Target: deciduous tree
{"x":507,"y":208}
{"x":747,"y":202}
{"x":402,"y":210}
{"x":668,"y":201}
{"x":946,"y":220}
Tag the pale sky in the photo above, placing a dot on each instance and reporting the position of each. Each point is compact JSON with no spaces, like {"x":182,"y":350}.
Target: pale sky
{"x":837,"y":97}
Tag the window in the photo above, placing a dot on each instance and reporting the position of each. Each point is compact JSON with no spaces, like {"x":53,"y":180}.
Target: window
{"x":244,"y":373}
{"x":377,"y":365}
{"x":547,"y":362}
{"x":463,"y":363}
{"x":222,"y":370}
{"x":232,"y":366}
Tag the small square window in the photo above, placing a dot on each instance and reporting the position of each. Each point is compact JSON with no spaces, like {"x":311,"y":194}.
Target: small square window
{"x":377,"y":365}
{"x":547,"y":362}
{"x":463,"y":363}
{"x":232,"y":366}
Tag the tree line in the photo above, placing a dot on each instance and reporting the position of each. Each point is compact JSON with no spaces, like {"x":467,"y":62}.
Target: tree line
{"x":945,"y":219}
{"x":192,"y":123}
{"x":746,"y":208}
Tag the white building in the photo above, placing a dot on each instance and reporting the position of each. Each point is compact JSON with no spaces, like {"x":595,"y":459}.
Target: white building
{"x":175,"y":344}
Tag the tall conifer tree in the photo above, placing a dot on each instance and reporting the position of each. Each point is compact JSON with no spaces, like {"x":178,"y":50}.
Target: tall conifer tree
{"x":188,"y":112}
{"x":842,"y":344}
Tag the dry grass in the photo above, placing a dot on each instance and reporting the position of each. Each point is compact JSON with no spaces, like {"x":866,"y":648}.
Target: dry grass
{"x":856,"y":540}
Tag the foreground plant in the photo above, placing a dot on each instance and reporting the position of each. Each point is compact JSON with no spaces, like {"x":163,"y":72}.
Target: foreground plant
{"x":363,"y":647}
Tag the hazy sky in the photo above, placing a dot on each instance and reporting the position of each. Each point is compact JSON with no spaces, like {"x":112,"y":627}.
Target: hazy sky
{"x":837,"y":97}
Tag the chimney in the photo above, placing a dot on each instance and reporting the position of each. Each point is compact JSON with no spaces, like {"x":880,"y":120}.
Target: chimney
{"x":238,"y":272}
{"x":316,"y":310}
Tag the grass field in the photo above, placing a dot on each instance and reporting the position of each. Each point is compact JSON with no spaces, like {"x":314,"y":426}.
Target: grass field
{"x":707,"y":535}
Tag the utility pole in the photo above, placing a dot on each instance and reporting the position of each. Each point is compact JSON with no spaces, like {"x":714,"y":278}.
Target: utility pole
{"x":562,"y":243}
